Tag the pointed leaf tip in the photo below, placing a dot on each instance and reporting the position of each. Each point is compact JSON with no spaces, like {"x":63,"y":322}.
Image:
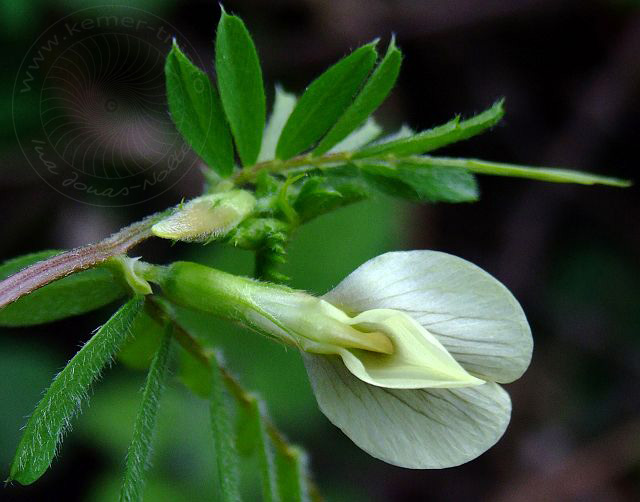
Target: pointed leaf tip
{"x":240,"y":84}
{"x":197,"y":112}
{"x":370,"y":97}
{"x":324,"y":101}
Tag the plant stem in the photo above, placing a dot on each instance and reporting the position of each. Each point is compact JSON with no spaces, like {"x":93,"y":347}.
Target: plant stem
{"x":248,"y":174}
{"x":552,"y":174}
{"x":56,"y":267}
{"x":555,"y":175}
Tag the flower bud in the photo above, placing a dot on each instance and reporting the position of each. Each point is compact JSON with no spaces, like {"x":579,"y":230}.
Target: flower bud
{"x":207,"y":217}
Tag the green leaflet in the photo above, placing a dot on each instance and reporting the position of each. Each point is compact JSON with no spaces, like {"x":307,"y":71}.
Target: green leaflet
{"x":72,"y":295}
{"x":291,"y":468}
{"x":139,"y":452}
{"x":240,"y":84}
{"x":367,"y":101}
{"x":53,"y":414}
{"x":502,"y":169}
{"x":223,"y":435}
{"x":197,"y":112}
{"x":422,"y":183}
{"x":324,"y":101}
{"x":431,"y":139}
{"x":265,"y":450}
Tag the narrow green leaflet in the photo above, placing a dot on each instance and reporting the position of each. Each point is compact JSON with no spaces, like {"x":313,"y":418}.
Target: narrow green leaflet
{"x":197,"y":112}
{"x":368,"y":100}
{"x":52,"y":417}
{"x":423,"y":183}
{"x":291,"y":467}
{"x":264,"y":449}
{"x":223,"y":438}
{"x":139,"y":453}
{"x":431,"y":139}
{"x":240,"y":85}
{"x":72,"y":295}
{"x":324,"y":101}
{"x":501,"y":169}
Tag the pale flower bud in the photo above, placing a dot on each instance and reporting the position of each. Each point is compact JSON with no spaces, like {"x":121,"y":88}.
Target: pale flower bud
{"x":207,"y":217}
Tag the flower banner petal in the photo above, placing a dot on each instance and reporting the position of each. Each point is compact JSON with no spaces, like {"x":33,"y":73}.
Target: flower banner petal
{"x":472,"y":314}
{"x":417,"y":429}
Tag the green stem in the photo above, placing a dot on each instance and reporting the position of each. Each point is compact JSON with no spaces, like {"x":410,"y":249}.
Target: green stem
{"x":249,"y":174}
{"x":306,"y":162}
{"x":503,"y":169}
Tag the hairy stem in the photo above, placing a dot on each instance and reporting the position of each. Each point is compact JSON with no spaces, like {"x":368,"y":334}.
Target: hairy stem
{"x":249,"y":174}
{"x":56,"y":267}
{"x":303,"y":163}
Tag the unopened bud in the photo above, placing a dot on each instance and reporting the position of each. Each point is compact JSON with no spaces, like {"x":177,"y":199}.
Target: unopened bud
{"x":207,"y":217}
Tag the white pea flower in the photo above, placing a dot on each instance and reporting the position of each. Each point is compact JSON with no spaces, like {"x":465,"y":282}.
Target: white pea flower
{"x":398,"y":412}
{"x":405,"y":355}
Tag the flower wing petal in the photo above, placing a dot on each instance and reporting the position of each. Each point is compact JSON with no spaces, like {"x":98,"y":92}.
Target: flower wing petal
{"x":417,"y":429}
{"x":472,"y":314}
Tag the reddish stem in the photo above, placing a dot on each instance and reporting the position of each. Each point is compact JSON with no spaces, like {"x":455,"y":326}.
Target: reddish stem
{"x":42,"y":273}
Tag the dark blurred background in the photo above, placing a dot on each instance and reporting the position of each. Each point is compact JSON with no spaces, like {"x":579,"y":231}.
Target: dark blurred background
{"x":570,"y":73}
